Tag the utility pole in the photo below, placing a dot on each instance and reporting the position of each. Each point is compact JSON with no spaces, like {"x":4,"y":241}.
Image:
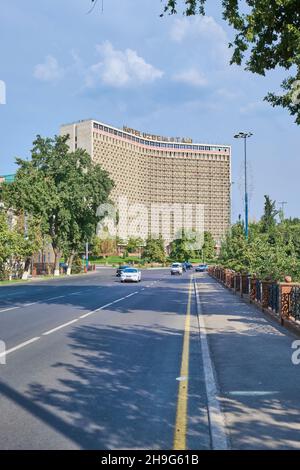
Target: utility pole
{"x":282,"y":204}
{"x":245,"y":136}
{"x":87,"y":255}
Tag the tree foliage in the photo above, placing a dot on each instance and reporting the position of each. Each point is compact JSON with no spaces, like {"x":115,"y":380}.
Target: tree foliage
{"x":209,"y":251}
{"x":61,"y":188}
{"x":17,"y":244}
{"x":182,"y":248}
{"x":154,"y":250}
{"x":134,"y":244}
{"x":267,"y":36}
{"x":272,"y":250}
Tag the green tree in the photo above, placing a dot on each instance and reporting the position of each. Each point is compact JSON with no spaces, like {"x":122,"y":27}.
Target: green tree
{"x":16,"y":245}
{"x":104,"y":247}
{"x":134,"y":244}
{"x":64,"y":190}
{"x":182,"y":248}
{"x":268,"y":220}
{"x":154,"y":250}
{"x":267,"y":36}
{"x":209,"y":251}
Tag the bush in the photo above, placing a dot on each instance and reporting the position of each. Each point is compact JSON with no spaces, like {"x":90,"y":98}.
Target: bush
{"x":77,"y":265}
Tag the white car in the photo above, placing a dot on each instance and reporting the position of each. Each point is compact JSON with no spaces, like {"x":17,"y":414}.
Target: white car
{"x":131,"y":274}
{"x":176,"y":268}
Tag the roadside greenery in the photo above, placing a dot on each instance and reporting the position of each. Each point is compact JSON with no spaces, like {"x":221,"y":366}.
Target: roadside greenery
{"x":17,"y":244}
{"x":272,"y":251}
{"x":62,"y":190}
{"x":154,"y":250}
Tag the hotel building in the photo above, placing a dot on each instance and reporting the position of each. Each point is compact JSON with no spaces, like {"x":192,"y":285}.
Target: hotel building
{"x":159,"y":172}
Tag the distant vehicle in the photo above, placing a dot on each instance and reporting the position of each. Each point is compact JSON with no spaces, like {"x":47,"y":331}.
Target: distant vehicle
{"x":186,"y":265}
{"x":202,"y":268}
{"x":131,"y":274}
{"x":176,"y":268}
{"x":121,"y":268}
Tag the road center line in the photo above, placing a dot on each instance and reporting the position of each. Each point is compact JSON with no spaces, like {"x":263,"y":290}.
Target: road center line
{"x":60,"y":327}
{"x":10,"y":308}
{"x":19,"y":346}
{"x":182,"y":401}
{"x":53,"y":330}
{"x":39,"y":301}
{"x":215,"y":416}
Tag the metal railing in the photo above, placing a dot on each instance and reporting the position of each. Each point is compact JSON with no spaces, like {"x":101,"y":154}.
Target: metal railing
{"x":281,"y":298}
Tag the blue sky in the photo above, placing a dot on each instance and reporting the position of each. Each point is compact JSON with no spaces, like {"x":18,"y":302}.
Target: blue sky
{"x":168,"y":76}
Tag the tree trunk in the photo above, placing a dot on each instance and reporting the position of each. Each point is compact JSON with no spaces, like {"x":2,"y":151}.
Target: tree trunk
{"x":70,"y":262}
{"x":26,"y":268}
{"x":57,"y":255}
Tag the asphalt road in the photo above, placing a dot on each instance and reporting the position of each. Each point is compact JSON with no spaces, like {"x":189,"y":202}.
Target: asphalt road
{"x":95,"y":364}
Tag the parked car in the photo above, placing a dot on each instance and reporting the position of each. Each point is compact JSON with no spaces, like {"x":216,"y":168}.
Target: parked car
{"x":121,"y":268}
{"x":201,"y":268}
{"x":131,"y":274}
{"x":176,"y":268}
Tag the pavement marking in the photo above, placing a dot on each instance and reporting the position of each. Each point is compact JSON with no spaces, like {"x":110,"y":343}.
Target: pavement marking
{"x":54,"y":298}
{"x":252,"y":393}
{"x":215,"y":416}
{"x":7,"y":309}
{"x":60,"y":327}
{"x":19,"y":346}
{"x":53,"y":330}
{"x":182,"y":400}
{"x":40,"y":301}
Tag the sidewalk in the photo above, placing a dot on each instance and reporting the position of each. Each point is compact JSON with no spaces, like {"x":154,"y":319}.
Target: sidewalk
{"x":258,"y":383}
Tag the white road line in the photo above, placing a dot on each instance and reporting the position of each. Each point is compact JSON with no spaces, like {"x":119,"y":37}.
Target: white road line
{"x":86,"y":315}
{"x":54,"y":298}
{"x":252,"y":393}
{"x":215,"y":415}
{"x":39,"y":301}
{"x":46,"y":333}
{"x":7,"y":309}
{"x":19,"y":346}
{"x":59,"y":327}
{"x":130,"y":295}
{"x":107,"y":305}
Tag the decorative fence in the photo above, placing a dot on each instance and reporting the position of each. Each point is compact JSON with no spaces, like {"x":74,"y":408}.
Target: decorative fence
{"x":280,"y":298}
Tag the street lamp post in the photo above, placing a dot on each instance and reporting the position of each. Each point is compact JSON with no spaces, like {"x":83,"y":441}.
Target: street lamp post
{"x":245,"y":136}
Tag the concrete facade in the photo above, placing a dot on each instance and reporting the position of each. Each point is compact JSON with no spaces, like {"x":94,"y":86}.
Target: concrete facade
{"x":161,"y":174}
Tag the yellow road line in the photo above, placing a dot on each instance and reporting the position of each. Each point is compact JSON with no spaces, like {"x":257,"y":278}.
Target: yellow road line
{"x":182,"y":401}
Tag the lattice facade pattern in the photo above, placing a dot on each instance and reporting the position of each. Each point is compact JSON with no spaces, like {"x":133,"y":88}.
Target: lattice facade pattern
{"x":158,"y":172}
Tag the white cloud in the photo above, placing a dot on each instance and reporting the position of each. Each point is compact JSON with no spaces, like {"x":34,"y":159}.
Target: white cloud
{"x":120,"y":68}
{"x":197,"y":26}
{"x":204,"y":33}
{"x":191,"y":77}
{"x":49,"y":70}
